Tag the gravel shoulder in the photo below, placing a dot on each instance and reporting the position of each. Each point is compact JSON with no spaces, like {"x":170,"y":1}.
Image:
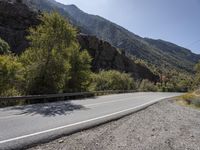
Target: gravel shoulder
{"x":165,"y":125}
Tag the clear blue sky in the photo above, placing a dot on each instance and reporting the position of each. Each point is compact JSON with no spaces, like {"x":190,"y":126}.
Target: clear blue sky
{"x":177,"y":21}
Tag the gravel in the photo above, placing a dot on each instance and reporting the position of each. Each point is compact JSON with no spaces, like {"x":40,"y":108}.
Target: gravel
{"x":163,"y":126}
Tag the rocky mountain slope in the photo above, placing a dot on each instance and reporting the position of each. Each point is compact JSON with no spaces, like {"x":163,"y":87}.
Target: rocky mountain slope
{"x":156,"y":52}
{"x":16,"y":18}
{"x":107,"y":57}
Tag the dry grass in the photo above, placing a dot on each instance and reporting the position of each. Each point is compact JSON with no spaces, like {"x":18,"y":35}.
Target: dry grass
{"x":190,"y":99}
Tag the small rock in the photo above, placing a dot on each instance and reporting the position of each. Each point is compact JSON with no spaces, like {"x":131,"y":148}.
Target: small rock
{"x":60,"y":141}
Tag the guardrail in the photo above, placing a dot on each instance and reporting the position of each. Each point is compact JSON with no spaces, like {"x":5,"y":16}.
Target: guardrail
{"x":46,"y":96}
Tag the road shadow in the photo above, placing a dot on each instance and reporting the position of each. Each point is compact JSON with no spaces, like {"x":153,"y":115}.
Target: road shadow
{"x":49,"y":109}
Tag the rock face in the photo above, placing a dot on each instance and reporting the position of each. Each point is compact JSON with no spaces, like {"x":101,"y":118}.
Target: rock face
{"x":108,"y":57}
{"x":15,"y":19}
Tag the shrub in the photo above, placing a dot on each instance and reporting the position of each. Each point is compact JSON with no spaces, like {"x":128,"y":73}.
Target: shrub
{"x":10,"y":75}
{"x":112,"y":80}
{"x":4,"y":47}
{"x":196,"y":82}
{"x":146,"y":86}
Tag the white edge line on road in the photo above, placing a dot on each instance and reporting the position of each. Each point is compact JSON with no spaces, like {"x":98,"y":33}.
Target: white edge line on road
{"x":78,"y":123}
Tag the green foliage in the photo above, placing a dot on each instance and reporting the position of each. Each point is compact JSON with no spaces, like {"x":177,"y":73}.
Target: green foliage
{"x":171,"y":80}
{"x":112,"y":80}
{"x":178,"y":82}
{"x":4,"y":47}
{"x":54,"y":62}
{"x":146,"y":85}
{"x":46,"y":60}
{"x":80,"y":62}
{"x":196,"y":82}
{"x":197,"y":68}
{"x":10,"y":75}
{"x":54,"y":32}
{"x":45,"y":76}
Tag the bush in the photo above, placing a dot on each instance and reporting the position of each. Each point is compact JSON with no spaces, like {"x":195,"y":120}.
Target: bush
{"x":112,"y":80}
{"x":4,"y":47}
{"x":10,"y":75}
{"x":146,"y":86}
{"x":196,"y":82}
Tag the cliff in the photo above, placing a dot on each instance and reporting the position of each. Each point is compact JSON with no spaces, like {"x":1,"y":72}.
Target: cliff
{"x":108,"y":57}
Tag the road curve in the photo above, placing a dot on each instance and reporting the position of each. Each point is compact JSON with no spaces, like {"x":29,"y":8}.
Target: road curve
{"x":24,"y":126}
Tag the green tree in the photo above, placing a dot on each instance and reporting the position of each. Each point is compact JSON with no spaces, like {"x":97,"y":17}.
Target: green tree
{"x":4,"y":47}
{"x":46,"y":60}
{"x":54,"y":62}
{"x":10,"y":75}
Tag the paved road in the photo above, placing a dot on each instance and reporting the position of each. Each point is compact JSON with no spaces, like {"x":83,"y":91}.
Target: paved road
{"x":27,"y":125}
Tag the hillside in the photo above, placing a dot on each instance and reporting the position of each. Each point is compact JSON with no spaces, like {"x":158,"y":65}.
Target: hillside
{"x":100,"y":50}
{"x":16,"y":18}
{"x":156,"y":52}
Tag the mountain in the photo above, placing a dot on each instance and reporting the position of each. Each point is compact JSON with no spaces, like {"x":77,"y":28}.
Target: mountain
{"x":179,"y":56}
{"x":157,"y":52}
{"x":16,"y":18}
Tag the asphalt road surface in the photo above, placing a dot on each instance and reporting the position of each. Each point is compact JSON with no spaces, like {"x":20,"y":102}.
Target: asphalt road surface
{"x":24,"y":126}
